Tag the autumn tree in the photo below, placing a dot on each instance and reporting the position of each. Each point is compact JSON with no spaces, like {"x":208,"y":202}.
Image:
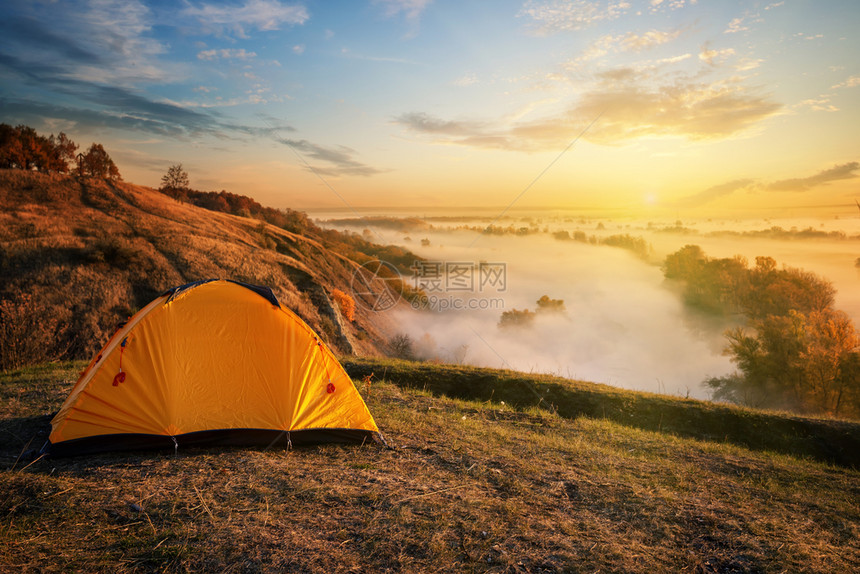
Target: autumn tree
{"x":808,"y":363}
{"x":22,"y":148}
{"x":768,"y":358}
{"x":775,"y":291}
{"x":64,"y":151}
{"x":97,"y":163}
{"x":795,"y":351}
{"x":830,"y":358}
{"x":717,"y":286}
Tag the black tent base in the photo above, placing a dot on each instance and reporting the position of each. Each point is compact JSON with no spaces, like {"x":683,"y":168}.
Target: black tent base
{"x":210,"y":438}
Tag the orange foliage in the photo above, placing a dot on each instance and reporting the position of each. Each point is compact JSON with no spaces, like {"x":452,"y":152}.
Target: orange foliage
{"x":346,"y":304}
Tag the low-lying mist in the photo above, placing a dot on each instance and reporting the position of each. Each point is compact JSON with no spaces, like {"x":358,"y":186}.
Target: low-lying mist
{"x":622,"y":323}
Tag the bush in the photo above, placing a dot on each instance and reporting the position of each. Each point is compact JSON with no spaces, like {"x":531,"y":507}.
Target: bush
{"x":345,"y":303}
{"x":401,"y":346}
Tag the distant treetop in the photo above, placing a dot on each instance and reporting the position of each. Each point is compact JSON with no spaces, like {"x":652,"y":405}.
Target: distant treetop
{"x":176,"y":179}
{"x":22,"y":148}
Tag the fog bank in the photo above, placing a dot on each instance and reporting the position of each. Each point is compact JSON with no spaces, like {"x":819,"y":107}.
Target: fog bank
{"x":623,"y":324}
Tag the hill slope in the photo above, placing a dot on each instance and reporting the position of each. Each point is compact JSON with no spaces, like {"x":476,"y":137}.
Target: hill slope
{"x":827,"y":440}
{"x":84,"y":254}
{"x":466,"y":487}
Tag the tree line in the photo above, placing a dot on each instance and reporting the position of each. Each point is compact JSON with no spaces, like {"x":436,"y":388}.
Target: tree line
{"x":21,"y":147}
{"x":637,"y":245}
{"x":795,"y":350}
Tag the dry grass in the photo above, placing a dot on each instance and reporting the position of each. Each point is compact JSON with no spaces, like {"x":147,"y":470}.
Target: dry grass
{"x":823,"y":439}
{"x":467,"y":487}
{"x":90,"y":253}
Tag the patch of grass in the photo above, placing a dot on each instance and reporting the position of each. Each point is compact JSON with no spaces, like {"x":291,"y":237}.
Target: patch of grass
{"x":828,"y":440}
{"x":468,"y":486}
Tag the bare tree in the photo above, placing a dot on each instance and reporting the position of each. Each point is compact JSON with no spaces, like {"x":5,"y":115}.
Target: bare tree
{"x":401,"y":346}
{"x":176,"y":179}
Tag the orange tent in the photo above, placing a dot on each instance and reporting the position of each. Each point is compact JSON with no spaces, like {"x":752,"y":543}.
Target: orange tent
{"x":211,"y":363}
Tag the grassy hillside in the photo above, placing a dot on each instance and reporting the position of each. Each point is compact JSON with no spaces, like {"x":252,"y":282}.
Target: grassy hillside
{"x":79,"y":255}
{"x":467,"y":486}
{"x":827,"y":440}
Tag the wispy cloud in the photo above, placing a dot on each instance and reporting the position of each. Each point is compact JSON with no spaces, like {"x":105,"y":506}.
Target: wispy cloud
{"x":97,"y":67}
{"x":631,"y":109}
{"x":735,"y":26}
{"x":711,"y":56}
{"x":94,"y":61}
{"x":629,"y":42}
{"x":264,"y":15}
{"x":714,"y":192}
{"x":466,"y":80}
{"x":422,"y":122}
{"x":851,"y":82}
{"x":23,"y":29}
{"x":340,"y":159}
{"x":347,"y":53}
{"x":688,"y":108}
{"x":747,"y":64}
{"x":638,"y":42}
{"x":93,"y":103}
{"x":106,"y":41}
{"x":674,"y":59}
{"x":411,"y":9}
{"x":225,"y":54}
{"x":835,"y":173}
{"x":554,"y":16}
{"x":129,"y":112}
{"x":820,"y":104}
{"x":662,"y":5}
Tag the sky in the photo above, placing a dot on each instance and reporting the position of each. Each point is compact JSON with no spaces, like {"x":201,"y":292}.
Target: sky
{"x":681,"y":106}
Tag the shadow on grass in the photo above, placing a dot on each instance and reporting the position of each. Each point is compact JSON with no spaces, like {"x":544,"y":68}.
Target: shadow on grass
{"x":21,"y":434}
{"x":26,"y":436}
